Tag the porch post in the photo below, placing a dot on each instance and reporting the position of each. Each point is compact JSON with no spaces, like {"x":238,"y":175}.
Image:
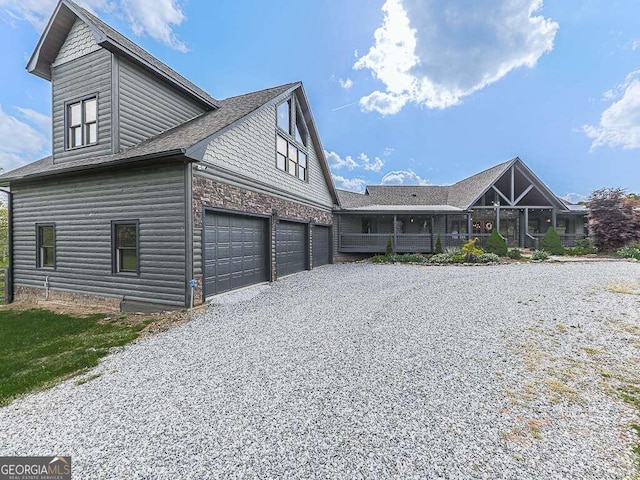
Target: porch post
{"x":553,"y":218}
{"x":395,"y":232}
{"x":432,"y":227}
{"x":498,"y":218}
{"x":339,"y":233}
{"x":526,"y":225}
{"x":469,"y":226}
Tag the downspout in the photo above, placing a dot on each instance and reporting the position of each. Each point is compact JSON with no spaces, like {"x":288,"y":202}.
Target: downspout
{"x":9,"y":280}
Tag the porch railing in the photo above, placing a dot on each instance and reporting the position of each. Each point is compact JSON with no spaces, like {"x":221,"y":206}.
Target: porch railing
{"x":568,"y":240}
{"x":377,"y":242}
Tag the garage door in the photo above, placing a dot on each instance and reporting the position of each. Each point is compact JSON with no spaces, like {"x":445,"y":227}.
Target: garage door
{"x":235,"y":252}
{"x":321,"y":245}
{"x":291,"y":248}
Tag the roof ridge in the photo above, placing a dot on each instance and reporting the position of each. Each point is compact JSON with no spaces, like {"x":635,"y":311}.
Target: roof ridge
{"x":486,"y":170}
{"x":288,"y":85}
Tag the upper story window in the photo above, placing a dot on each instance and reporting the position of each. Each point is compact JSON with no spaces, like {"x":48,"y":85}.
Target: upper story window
{"x":292,"y":140}
{"x":82,"y":122}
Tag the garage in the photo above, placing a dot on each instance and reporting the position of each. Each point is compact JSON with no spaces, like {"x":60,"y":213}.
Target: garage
{"x":321,"y":245}
{"x":236,"y":251}
{"x":291,"y":248}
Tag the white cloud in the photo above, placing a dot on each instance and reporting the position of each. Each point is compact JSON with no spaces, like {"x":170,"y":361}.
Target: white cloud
{"x":155,"y":18}
{"x":435,"y":52}
{"x":404,"y":177}
{"x":374,"y":166}
{"x":42,"y":121}
{"x":351,"y":184}
{"x":635,"y":44}
{"x":22,"y":142}
{"x":337,"y":162}
{"x":620,"y":122}
{"x":346,"y":84}
{"x":574,"y":197}
{"x":388,"y":151}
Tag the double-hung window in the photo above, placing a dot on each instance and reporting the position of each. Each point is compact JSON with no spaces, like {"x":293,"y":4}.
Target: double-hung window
{"x":46,"y":245}
{"x":125,"y":246}
{"x":82,"y":122}
{"x":292,"y":140}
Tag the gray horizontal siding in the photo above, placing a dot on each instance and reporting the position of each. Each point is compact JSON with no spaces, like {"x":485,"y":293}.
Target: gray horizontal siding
{"x":82,"y":209}
{"x":249,"y":149}
{"x":149,"y":106}
{"x":197,"y":252}
{"x":87,"y":75}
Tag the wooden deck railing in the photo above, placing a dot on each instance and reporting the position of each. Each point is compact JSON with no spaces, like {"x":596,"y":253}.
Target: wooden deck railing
{"x":568,"y":240}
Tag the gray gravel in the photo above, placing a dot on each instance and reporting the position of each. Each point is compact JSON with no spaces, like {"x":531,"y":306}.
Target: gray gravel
{"x":364,"y":371}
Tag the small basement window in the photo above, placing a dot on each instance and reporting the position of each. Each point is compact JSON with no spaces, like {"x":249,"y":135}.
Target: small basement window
{"x":82,"y":122}
{"x":46,"y":245}
{"x":125,"y":244}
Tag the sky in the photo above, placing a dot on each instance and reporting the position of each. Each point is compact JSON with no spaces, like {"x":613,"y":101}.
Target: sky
{"x":402,"y":91}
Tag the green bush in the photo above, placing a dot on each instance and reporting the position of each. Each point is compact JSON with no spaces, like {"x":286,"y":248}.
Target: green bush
{"x":438,"y":248}
{"x":578,"y":251}
{"x":389,"y":250}
{"x":515,"y":254}
{"x":551,"y":242}
{"x":410,"y":258}
{"x":380,"y":259}
{"x":629,"y":252}
{"x":497,"y":244}
{"x":539,"y":255}
{"x":471,"y":252}
{"x":488,"y":258}
{"x":446,"y":258}
{"x":585,"y":243}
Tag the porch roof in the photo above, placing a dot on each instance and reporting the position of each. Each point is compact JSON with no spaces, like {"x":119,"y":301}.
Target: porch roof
{"x":405,"y":208}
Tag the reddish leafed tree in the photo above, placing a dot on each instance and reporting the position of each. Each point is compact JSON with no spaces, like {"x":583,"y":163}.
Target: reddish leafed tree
{"x":613,"y":221}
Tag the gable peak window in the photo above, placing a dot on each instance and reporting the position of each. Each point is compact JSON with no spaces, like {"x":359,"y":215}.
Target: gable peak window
{"x":292,"y":140}
{"x":82,"y":122}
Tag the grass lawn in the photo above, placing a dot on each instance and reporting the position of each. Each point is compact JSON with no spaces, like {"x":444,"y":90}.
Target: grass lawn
{"x":40,"y":348}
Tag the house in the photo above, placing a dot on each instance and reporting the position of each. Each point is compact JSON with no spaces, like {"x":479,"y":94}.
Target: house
{"x":152,"y":182}
{"x":509,"y":198}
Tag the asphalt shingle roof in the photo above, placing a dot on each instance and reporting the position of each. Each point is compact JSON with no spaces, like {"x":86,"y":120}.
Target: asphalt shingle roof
{"x":178,"y":138}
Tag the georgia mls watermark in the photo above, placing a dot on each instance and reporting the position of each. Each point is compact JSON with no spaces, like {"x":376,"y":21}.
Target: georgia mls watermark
{"x":35,"y":468}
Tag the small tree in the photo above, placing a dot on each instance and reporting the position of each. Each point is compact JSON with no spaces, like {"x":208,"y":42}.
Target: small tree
{"x":471,"y":252}
{"x":551,"y":242}
{"x":389,"y":250}
{"x":497,"y":244}
{"x":438,"y":248}
{"x":613,"y":221}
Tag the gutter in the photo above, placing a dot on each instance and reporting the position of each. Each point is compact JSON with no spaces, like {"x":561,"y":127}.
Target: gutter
{"x":9,"y":279}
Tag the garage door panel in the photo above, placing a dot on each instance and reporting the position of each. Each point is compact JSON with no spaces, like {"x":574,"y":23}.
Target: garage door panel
{"x":321,"y":245}
{"x":236,"y":251}
{"x":291,"y":248}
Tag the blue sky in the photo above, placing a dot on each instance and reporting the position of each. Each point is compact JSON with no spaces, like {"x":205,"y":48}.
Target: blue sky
{"x":403,"y":91}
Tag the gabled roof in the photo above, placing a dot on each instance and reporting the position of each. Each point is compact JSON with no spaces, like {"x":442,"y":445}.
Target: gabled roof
{"x":176,"y":141}
{"x":460,"y":196}
{"x":60,"y":23}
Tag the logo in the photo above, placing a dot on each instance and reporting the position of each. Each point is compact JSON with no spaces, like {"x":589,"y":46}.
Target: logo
{"x":35,"y":468}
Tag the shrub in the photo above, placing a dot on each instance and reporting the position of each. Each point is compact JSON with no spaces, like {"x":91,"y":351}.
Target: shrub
{"x":380,"y":259}
{"x":497,"y":244}
{"x":515,"y":254}
{"x":551,"y":242}
{"x":457,"y":258}
{"x":438,"y":248}
{"x":441,"y":258}
{"x":471,"y":252}
{"x":585,"y":243}
{"x":629,"y":252}
{"x":389,"y":250}
{"x":577,"y":251}
{"x":410,"y":258}
{"x":489,"y":258}
{"x":539,"y":255}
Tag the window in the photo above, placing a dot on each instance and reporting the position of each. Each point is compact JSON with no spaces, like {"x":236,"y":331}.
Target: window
{"x":82,"y":122}
{"x":46,"y":246}
{"x":291,"y":142}
{"x":125,"y":246}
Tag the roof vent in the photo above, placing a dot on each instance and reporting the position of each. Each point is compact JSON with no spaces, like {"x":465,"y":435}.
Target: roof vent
{"x":414,"y":194}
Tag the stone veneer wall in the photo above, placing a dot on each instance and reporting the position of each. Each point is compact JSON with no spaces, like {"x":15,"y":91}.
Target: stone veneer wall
{"x":211,"y":193}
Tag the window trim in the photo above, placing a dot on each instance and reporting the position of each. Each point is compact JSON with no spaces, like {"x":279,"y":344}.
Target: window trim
{"x":294,"y":112}
{"x":38,"y":247}
{"x":81,"y":100}
{"x":114,"y":247}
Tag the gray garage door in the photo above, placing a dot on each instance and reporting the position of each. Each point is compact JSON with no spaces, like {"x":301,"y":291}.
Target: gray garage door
{"x":321,"y":244}
{"x":291,"y":248}
{"x":235,"y":252}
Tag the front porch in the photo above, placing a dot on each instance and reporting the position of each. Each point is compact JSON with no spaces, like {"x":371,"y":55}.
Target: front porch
{"x":521,"y":227}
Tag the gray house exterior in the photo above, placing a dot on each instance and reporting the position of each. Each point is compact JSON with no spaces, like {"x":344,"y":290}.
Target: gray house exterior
{"x":153,"y":183}
{"x":508,"y":197}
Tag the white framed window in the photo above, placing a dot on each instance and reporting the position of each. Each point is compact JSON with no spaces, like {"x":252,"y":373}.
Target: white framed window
{"x":81,"y":120}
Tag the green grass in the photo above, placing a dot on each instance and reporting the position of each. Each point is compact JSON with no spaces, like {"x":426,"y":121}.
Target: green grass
{"x":40,"y":348}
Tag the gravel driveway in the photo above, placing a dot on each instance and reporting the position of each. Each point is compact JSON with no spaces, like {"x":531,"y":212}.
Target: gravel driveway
{"x":365,"y":371}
